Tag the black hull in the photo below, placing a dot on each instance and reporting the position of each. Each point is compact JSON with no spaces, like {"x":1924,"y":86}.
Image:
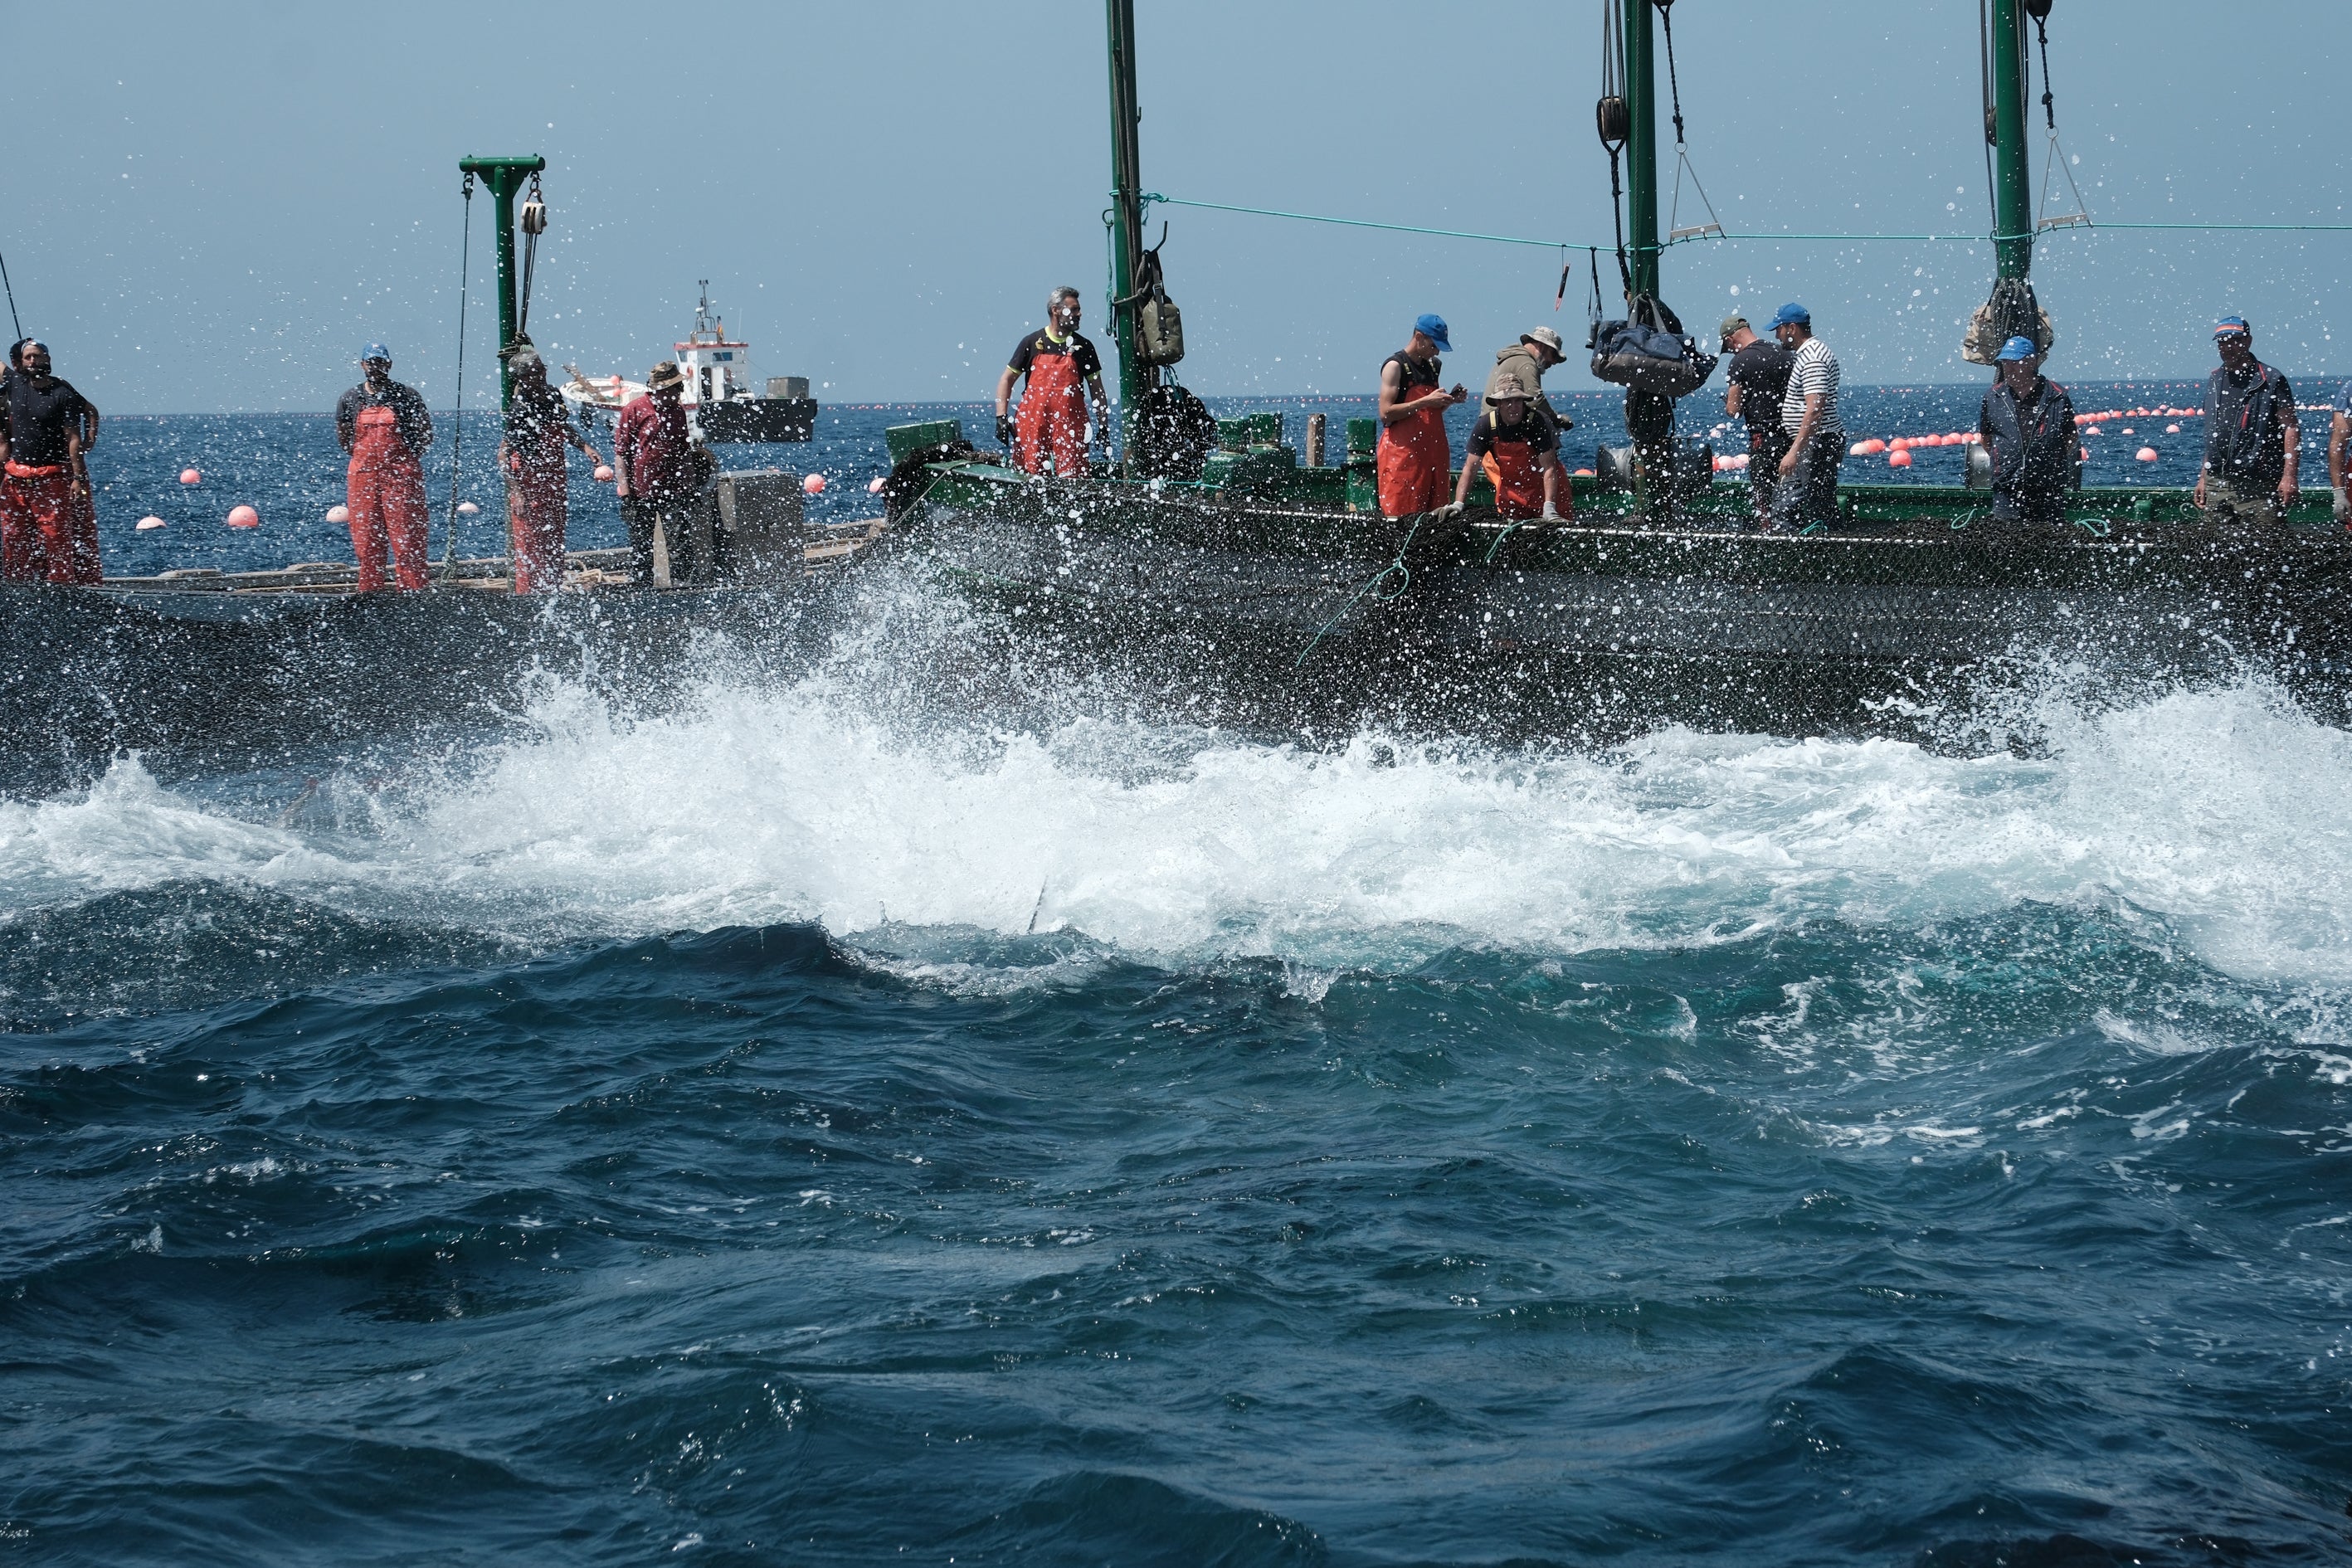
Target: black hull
{"x":1316,"y":624}
{"x":759,"y":419}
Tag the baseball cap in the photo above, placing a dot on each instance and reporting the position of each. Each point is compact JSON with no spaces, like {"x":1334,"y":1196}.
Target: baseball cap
{"x":2228,"y":325}
{"x":375,"y":351}
{"x":1792,"y":315}
{"x":1433,"y":329}
{"x":2019,"y":347}
{"x":1730,"y":325}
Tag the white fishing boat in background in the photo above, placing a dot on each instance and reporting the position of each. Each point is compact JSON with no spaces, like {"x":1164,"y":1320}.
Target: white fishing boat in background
{"x":724,"y":401}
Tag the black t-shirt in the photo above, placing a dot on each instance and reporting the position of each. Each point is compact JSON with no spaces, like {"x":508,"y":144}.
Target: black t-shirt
{"x":408,"y":408}
{"x":537,"y":421}
{"x":1415,"y":377}
{"x":39,"y":419}
{"x":1760,"y":371}
{"x":1532,"y":428}
{"x":1089,"y":363}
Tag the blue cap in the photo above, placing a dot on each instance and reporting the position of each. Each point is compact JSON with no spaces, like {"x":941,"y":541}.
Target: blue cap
{"x":2228,"y":325}
{"x":1433,"y":329}
{"x":375,"y":351}
{"x":1792,"y":315}
{"x":2017,"y":348}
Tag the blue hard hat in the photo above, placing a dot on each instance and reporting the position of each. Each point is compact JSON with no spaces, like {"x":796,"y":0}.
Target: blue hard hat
{"x":1433,"y":329}
{"x":1792,"y":315}
{"x":2017,"y":348}
{"x":375,"y":351}
{"x":2229,"y":325}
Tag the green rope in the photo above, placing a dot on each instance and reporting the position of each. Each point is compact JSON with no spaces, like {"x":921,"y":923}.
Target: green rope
{"x":1507,"y":533}
{"x":1694,"y":239}
{"x":1380,"y":576}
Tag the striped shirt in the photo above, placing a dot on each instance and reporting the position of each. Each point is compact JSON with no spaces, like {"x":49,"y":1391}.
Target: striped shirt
{"x":1812,"y":369}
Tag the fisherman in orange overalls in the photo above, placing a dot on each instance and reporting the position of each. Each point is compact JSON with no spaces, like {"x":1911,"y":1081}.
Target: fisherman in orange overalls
{"x":539,"y":428}
{"x":1052,"y":425}
{"x":1518,"y":451}
{"x":1415,"y":459}
{"x":49,"y":528}
{"x":383,"y":426}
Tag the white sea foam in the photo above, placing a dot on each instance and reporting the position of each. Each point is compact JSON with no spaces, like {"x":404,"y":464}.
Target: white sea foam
{"x":2224,"y":812}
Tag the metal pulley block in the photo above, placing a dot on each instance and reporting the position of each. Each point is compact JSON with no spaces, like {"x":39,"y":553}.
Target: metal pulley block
{"x":534,"y":216}
{"x":1613,"y":119}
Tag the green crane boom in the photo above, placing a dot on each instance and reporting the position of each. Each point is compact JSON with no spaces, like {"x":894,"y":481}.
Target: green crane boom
{"x":2012,"y":183}
{"x":1125,"y":209}
{"x":1641,"y":148}
{"x":505,"y":176}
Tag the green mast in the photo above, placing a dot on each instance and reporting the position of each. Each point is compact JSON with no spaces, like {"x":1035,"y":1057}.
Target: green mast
{"x":2012,"y":181}
{"x":1125,"y":207}
{"x":1641,"y":148}
{"x":505,"y":176}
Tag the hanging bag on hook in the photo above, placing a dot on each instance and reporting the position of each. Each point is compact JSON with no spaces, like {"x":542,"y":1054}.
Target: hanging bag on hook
{"x":2011,"y":312}
{"x":1159,"y":325}
{"x":1649,"y":352}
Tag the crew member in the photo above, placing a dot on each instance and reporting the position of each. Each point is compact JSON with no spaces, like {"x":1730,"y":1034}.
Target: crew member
{"x":1519,"y":453}
{"x":1523,"y":365}
{"x":539,"y":428}
{"x":1809,"y":411}
{"x":2339,"y":432}
{"x":48,"y":528}
{"x":653,"y":471}
{"x":1758,"y":377}
{"x":2028,"y":426}
{"x":2254,"y":443}
{"x":1052,"y":424}
{"x":382,"y":424}
{"x":1415,"y":457}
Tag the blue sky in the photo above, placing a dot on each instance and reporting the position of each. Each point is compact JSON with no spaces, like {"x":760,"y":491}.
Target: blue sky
{"x":210,"y":207}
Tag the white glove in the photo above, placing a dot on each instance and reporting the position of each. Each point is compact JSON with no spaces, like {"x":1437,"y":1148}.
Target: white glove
{"x":1551,"y":514}
{"x":2343,"y":505}
{"x":1449,"y":511}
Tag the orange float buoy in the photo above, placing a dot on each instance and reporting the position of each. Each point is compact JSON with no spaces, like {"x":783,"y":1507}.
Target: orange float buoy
{"x":2146,"y":454}
{"x":191,"y":476}
{"x":1899,"y":458}
{"x":1873,"y":447}
{"x":338,"y":514}
{"x":147,"y":523}
{"x":875,"y":486}
{"x":1859,"y":449}
{"x":244,"y":517}
{"x":466,"y":508}
{"x":2172,"y":429}
{"x":603,"y":473}
{"x":813,"y":484}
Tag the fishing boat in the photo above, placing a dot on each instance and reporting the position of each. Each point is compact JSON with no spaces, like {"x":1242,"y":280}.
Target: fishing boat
{"x":1261,"y":590}
{"x":723,"y":400}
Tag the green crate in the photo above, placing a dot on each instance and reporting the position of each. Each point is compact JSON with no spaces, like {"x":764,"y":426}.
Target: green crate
{"x":1263,"y":429}
{"x":906,"y":440}
{"x":1363,"y":438}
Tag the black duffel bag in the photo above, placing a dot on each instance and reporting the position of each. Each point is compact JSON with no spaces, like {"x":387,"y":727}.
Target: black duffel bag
{"x":1649,"y":352}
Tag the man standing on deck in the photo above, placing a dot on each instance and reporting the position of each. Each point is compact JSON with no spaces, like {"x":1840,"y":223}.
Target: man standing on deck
{"x":1523,"y":365}
{"x":47,"y":527}
{"x":2028,"y":426}
{"x":2254,"y":443}
{"x":654,"y":473}
{"x":2339,"y":434}
{"x":1052,"y":424}
{"x":382,"y":424}
{"x":539,"y":428}
{"x":1758,"y":372}
{"x":1415,"y":457}
{"x":1809,"y":412}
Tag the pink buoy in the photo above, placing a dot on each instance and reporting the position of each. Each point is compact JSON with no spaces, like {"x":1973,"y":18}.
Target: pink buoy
{"x":1872,"y":448}
{"x":466,"y":508}
{"x":338,"y":514}
{"x":603,"y":473}
{"x":1898,"y":459}
{"x":813,"y":484}
{"x":2146,"y":454}
{"x":877,"y":484}
{"x":1859,"y":449}
{"x":244,"y":517}
{"x":191,"y":476}
{"x":2172,"y":429}
{"x":147,"y":523}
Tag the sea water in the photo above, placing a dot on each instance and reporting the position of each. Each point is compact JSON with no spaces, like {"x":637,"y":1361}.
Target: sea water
{"x":767,"y":1131}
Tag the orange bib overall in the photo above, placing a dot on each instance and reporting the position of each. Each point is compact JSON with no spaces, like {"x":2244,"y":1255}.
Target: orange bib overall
{"x":387,"y":501}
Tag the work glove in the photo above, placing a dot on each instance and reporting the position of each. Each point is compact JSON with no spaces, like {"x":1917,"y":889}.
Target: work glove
{"x":1449,"y":511}
{"x":1551,"y":514}
{"x":2343,"y":505}
{"x":1005,"y":431}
